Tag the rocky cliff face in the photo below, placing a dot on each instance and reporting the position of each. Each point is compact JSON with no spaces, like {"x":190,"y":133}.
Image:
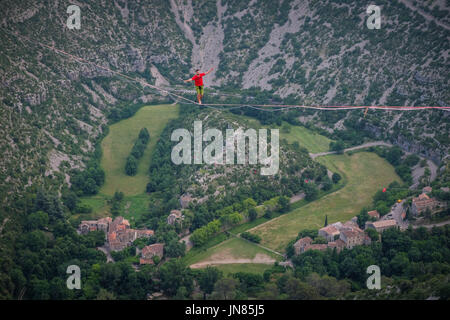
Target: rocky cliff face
{"x":318,"y":52}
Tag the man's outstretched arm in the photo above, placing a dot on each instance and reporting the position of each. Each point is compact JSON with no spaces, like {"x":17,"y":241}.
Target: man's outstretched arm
{"x":209,"y":71}
{"x":188,"y":80}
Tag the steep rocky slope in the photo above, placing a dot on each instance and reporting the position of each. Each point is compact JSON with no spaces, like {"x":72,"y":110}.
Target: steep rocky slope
{"x":54,"y":110}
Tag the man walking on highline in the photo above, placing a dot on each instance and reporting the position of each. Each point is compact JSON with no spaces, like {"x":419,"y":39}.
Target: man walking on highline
{"x":198,"y":78}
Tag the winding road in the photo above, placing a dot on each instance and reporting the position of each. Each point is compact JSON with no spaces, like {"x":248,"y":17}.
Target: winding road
{"x":362,"y":146}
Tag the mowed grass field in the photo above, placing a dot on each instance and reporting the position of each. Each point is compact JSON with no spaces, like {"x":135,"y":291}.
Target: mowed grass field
{"x":229,"y":251}
{"x":365,"y":173}
{"x":312,"y":141}
{"x":116,"y":147}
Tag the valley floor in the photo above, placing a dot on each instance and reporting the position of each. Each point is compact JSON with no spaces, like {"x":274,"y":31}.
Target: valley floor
{"x":360,"y":185}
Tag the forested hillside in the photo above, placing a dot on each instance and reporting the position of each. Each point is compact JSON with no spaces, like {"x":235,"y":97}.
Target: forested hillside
{"x":54,"y":110}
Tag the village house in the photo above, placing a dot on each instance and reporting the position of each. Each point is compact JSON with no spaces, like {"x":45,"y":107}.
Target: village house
{"x":150,"y":251}
{"x":330,"y":233}
{"x":94,"y":225}
{"x":427,"y":189}
{"x":382,"y":225}
{"x":338,"y":235}
{"x":374,"y":214}
{"x":422,"y":203}
{"x":174,"y":216}
{"x":299,"y":246}
{"x":350,"y":225}
{"x":338,"y":245}
{"x":118,"y":233}
{"x":353,"y":238}
{"x":185,"y":200}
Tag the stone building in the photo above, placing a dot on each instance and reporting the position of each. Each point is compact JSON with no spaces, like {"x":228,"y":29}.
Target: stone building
{"x":299,"y":246}
{"x":422,"y":203}
{"x":150,"y":251}
{"x":382,"y":225}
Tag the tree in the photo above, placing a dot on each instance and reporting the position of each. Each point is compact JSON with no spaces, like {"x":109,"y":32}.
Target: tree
{"x":144,"y":135}
{"x":248,"y":204}
{"x":131,"y":166}
{"x":90,"y":187}
{"x":207,"y":280}
{"x":270,"y":292}
{"x":411,"y":160}
{"x":225,"y":289}
{"x":362,"y":218}
{"x":118,"y":196}
{"x":336,"y":177}
{"x":326,"y":220}
{"x":234,"y":218}
{"x":252,"y":214}
{"x":372,"y":233}
{"x":326,"y":184}
{"x":399,"y":264}
{"x":311,"y":191}
{"x":298,"y":290}
{"x":138,"y":149}
{"x":104,"y":294}
{"x":320,"y":240}
{"x":284,"y":204}
{"x":173,"y":275}
{"x":182,"y":294}
{"x":337,"y":146}
{"x":382,"y":208}
{"x":70,"y":200}
{"x":394,"y":156}
{"x":156,"y":259}
{"x":37,"y":220}
{"x":175,"y":249}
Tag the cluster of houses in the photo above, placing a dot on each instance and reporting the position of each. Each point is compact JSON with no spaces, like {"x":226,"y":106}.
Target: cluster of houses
{"x":348,"y":235}
{"x":424,"y":203}
{"x":343,"y":235}
{"x":338,"y":235}
{"x":119,"y":235}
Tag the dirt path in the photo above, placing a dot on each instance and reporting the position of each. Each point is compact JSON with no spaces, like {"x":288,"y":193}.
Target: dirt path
{"x":109,"y":258}
{"x":259,"y":258}
{"x":429,"y":226}
{"x":365,"y":145}
{"x":187,"y":241}
{"x":297,"y":197}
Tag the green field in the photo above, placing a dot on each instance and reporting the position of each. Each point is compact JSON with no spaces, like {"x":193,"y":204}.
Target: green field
{"x":232,"y":268}
{"x":312,"y":141}
{"x":365,"y":173}
{"x":307,"y":138}
{"x":229,"y":251}
{"x":116,"y":147}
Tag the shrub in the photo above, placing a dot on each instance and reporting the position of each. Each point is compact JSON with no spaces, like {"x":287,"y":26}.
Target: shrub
{"x":251,"y":237}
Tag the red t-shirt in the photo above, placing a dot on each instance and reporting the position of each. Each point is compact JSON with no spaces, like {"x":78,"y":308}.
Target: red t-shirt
{"x":198,"y":78}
